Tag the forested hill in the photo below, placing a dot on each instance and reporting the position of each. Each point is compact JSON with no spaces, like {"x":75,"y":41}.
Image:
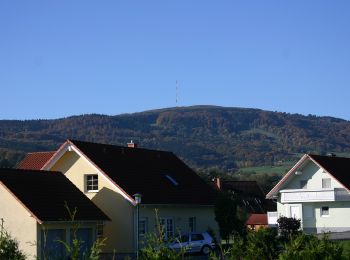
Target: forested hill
{"x":204,"y":136}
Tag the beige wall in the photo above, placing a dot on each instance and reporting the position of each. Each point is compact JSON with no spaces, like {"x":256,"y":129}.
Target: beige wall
{"x":119,"y":231}
{"x":180,"y":214}
{"x":19,"y":223}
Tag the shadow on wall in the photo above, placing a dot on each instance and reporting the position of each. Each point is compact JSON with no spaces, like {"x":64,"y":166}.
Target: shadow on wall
{"x":119,"y":231}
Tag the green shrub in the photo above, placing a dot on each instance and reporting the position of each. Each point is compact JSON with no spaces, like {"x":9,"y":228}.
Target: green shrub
{"x":262,"y":244}
{"x":305,"y":247}
{"x":288,"y":226}
{"x":155,"y":245}
{"x":9,"y":247}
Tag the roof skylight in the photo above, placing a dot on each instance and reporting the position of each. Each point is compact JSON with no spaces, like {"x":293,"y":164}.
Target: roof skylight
{"x":172,"y":180}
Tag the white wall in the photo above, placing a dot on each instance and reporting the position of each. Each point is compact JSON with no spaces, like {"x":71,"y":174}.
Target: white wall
{"x":310,"y":212}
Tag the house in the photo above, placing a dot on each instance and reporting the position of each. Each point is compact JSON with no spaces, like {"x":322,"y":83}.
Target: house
{"x":257,"y":221}
{"x":316,"y":190}
{"x":34,"y":210}
{"x":248,"y":194}
{"x":111,"y":175}
{"x":251,"y":199}
{"x":35,"y":161}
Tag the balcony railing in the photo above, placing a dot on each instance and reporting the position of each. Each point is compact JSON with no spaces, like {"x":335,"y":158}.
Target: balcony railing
{"x":315,"y":195}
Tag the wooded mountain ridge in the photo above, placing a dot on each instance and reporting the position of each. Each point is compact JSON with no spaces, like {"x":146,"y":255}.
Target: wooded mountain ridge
{"x":204,"y":136}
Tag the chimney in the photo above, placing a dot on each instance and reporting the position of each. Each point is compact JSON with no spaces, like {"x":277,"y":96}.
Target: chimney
{"x":217,"y":183}
{"x":132,"y":144}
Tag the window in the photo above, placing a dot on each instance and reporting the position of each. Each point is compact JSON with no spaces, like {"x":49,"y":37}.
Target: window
{"x":142,"y":226}
{"x":172,"y":180}
{"x":50,"y":240}
{"x":326,"y":183}
{"x":99,"y":229}
{"x":91,"y":182}
{"x":192,"y":224}
{"x":303,"y":184}
{"x":197,"y":237}
{"x":84,"y":235}
{"x":325,"y":211}
{"x":168,"y":225}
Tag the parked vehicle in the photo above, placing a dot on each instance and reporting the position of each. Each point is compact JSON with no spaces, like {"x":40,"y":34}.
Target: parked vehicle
{"x":194,"y":243}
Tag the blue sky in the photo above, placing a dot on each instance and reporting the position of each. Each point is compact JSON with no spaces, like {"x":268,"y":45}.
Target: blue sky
{"x":62,"y":58}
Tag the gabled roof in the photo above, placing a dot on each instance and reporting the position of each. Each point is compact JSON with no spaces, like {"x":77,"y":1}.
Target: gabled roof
{"x":45,"y":194}
{"x":257,"y":219}
{"x":245,"y":188}
{"x":161,"y":177}
{"x":249,"y":195}
{"x":35,"y":161}
{"x":337,"y":167}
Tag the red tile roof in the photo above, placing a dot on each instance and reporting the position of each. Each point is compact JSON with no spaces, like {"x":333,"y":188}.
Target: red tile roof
{"x":35,"y":161}
{"x":257,"y":219}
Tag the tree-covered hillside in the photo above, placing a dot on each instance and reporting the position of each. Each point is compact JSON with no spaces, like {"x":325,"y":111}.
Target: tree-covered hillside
{"x":204,"y":136}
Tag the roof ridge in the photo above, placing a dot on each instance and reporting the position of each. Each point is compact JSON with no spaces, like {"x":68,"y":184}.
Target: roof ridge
{"x":327,"y":156}
{"x":29,"y":170}
{"x":41,"y":152}
{"x":120,"y":146}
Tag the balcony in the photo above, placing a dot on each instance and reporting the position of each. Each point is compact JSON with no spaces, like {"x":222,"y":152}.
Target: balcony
{"x":314,"y":195}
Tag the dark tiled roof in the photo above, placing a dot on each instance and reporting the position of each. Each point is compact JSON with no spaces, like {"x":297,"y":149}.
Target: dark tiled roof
{"x":257,"y":219}
{"x":35,"y":161}
{"x":249,"y":195}
{"x":161,"y":177}
{"x":45,"y":193}
{"x":246,"y":188}
{"x":339,"y":167}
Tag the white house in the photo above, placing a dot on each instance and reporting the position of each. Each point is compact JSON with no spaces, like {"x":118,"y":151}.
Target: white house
{"x":316,"y":190}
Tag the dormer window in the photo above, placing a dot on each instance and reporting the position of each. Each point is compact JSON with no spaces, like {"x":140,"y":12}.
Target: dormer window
{"x":91,"y":181}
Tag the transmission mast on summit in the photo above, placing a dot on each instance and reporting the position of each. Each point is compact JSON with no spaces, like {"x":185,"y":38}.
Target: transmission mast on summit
{"x":177,"y":93}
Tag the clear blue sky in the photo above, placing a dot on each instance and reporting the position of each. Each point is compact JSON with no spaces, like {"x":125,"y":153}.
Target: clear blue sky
{"x":61,"y":58}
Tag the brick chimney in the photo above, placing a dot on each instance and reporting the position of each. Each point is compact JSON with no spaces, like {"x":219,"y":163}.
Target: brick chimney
{"x":132,"y":144}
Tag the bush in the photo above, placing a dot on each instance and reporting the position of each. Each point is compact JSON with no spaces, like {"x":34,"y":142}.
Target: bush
{"x":155,"y":245}
{"x":288,"y":226}
{"x":9,"y":247}
{"x":310,"y":247}
{"x":262,"y":244}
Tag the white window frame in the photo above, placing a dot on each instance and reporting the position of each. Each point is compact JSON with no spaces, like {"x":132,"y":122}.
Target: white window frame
{"x":324,"y":183}
{"x":143,"y":222}
{"x":87,"y":184}
{"x":192,"y":224}
{"x":325,"y":215}
{"x":168,"y":229}
{"x":99,"y":229}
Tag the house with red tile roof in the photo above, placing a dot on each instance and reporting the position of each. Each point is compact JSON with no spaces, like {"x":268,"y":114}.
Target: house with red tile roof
{"x":34,"y":209}
{"x":35,"y":161}
{"x":256,"y":221}
{"x":110,"y":176}
{"x":316,"y":191}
